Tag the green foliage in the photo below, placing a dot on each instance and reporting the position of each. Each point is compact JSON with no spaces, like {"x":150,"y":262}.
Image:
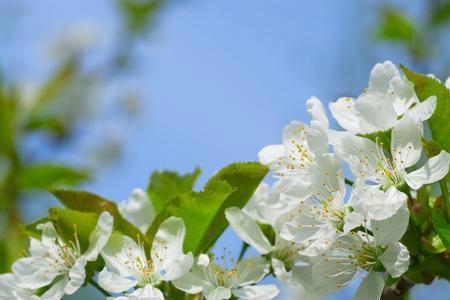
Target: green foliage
{"x":49,"y":175}
{"x":165,"y":185}
{"x":425,"y":87}
{"x":70,"y":222}
{"x":203,"y":212}
{"x":139,"y":13}
{"x":31,"y":229}
{"x":442,"y":228}
{"x":395,"y":26}
{"x":87,"y":202}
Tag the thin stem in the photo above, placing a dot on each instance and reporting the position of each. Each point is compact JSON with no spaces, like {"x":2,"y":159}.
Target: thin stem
{"x":244,"y":248}
{"x":444,"y":189}
{"x":348,"y":182}
{"x":99,"y":288}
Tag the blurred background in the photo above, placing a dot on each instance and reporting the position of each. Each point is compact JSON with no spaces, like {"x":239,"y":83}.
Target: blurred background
{"x":98,"y":94}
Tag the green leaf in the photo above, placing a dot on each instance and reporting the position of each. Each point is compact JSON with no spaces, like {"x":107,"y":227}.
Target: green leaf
{"x":87,"y":202}
{"x":49,"y":175}
{"x":395,"y":26}
{"x":244,"y":178}
{"x":441,"y":227}
{"x":198,"y":210}
{"x":69,"y":223}
{"x":32,"y":231}
{"x":165,"y":185}
{"x":203,"y":212}
{"x":425,"y":87}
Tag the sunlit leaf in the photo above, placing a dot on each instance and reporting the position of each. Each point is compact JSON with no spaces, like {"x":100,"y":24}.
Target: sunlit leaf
{"x":165,"y":185}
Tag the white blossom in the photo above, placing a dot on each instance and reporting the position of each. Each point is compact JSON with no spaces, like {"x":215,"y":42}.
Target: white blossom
{"x":221,"y":279}
{"x":128,"y":266}
{"x":57,"y":264}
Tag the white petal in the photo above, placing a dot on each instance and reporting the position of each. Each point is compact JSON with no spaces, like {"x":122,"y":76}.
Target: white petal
{"x":203,"y":260}
{"x":33,"y":272}
{"x":251,"y":270}
{"x":447,"y":83}
{"x":376,"y":112}
{"x":327,"y":179}
{"x":392,"y":229}
{"x":381,"y":75}
{"x":56,"y":291}
{"x":119,"y":251}
{"x":361,"y":154}
{"x":379,"y":205}
{"x":77,"y":275}
{"x":138,"y":210}
{"x":258,"y":199}
{"x":403,"y":92}
{"x":395,"y":259}
{"x":321,"y":242}
{"x":192,"y":282}
{"x":290,"y":278}
{"x":271,"y":155}
{"x":219,"y":293}
{"x":352,"y":220}
{"x":319,"y":117}
{"x":422,"y":111}
{"x":99,"y":236}
{"x":10,"y":290}
{"x":167,"y":249}
{"x":434,"y":170}
{"x":248,"y":230}
{"x":147,"y":293}
{"x":317,"y":140}
{"x":325,"y":278}
{"x":257,"y":292}
{"x":36,"y":248}
{"x":343,"y":111}
{"x":406,"y":146}
{"x":113,"y":282}
{"x":371,"y":287}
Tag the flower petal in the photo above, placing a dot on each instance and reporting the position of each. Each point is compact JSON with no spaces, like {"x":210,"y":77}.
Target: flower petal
{"x":376,"y":112}
{"x":192,"y":282}
{"x":352,"y":220}
{"x":77,"y":275}
{"x":167,"y":249}
{"x":138,"y":210}
{"x":118,"y":251}
{"x":371,"y":287}
{"x":381,"y":75}
{"x":147,"y":293}
{"x":271,"y":155}
{"x":218,"y":293}
{"x":343,"y":110}
{"x":56,"y":291}
{"x":319,"y":117}
{"x":406,"y":146}
{"x":251,"y":270}
{"x":395,"y":259}
{"x":422,"y":111}
{"x":33,"y":272}
{"x":257,"y":292}
{"x":434,"y":170}
{"x":248,"y":230}
{"x":99,"y":237}
{"x":113,"y":282}
{"x":392,"y":229}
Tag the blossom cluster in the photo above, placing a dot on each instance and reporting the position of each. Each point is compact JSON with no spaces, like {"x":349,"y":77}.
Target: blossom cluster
{"x":312,"y":227}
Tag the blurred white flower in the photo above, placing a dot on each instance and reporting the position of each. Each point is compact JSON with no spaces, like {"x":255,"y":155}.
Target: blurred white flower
{"x":138,"y":210}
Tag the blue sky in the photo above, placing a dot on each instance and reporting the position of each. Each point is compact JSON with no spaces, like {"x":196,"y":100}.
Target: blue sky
{"x":219,"y":79}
